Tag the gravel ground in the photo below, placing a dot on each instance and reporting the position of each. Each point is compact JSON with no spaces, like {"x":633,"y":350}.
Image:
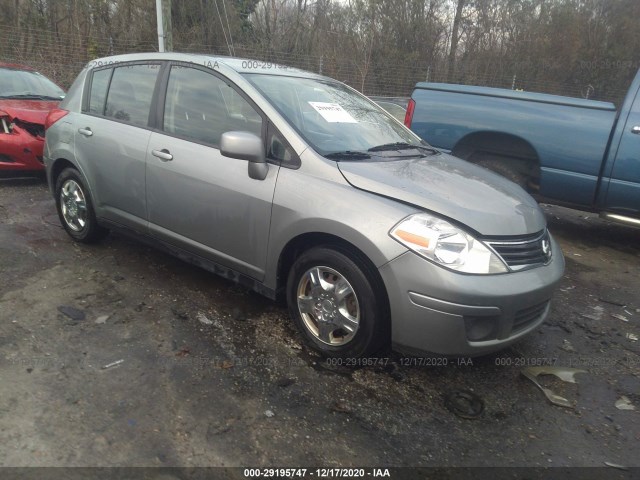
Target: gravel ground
{"x":117,"y":354}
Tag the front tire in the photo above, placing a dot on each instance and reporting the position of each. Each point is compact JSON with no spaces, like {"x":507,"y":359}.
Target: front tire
{"x":75,"y":208}
{"x":338,"y":303}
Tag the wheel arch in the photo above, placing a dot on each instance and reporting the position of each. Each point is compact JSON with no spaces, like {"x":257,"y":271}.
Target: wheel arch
{"x":511,"y":150}
{"x":500,"y":143}
{"x":308,"y":240}
{"x":57,"y":167}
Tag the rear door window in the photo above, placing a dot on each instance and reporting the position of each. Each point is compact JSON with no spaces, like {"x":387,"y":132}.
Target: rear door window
{"x":130,"y":93}
{"x":201,"y":106}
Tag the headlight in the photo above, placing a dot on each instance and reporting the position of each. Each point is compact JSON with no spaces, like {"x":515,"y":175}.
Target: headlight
{"x":442,"y":243}
{"x":5,"y":124}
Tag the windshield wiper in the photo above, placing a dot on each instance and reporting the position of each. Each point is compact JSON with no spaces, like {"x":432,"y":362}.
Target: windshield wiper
{"x":401,"y":146}
{"x":347,"y":155}
{"x":32,"y":96}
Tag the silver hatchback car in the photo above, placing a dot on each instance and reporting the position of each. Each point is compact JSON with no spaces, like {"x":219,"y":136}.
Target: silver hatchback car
{"x":297,"y":185}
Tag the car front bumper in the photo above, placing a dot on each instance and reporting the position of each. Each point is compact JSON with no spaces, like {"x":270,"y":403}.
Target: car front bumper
{"x":436,"y":310}
{"x":20,"y":152}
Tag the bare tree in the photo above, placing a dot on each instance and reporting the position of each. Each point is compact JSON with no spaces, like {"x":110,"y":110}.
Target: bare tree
{"x":453,"y":49}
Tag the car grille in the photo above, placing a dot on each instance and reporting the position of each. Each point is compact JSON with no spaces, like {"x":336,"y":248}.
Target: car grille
{"x":523,"y":252}
{"x":525,"y":317}
{"x":34,"y":129}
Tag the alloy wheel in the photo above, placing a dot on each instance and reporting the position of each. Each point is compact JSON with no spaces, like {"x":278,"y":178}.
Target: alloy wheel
{"x":73,"y":205}
{"x":328,"y":305}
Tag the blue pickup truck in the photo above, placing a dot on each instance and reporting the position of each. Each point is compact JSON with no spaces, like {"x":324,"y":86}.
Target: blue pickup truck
{"x":579,"y":153}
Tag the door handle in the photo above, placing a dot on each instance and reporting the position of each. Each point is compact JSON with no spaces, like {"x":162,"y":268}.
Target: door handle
{"x":163,"y":155}
{"x":85,"y":131}
{"x":636,"y":130}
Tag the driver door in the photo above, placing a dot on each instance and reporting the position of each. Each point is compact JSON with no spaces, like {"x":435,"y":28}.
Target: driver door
{"x":197,"y":199}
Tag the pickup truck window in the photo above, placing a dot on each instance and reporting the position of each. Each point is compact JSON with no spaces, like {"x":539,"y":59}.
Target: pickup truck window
{"x":334,"y":120}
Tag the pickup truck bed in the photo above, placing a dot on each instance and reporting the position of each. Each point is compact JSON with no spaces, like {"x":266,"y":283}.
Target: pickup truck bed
{"x":560,"y":149}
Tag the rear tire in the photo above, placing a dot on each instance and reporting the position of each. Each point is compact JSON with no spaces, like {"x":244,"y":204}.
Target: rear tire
{"x":518,"y":170}
{"x":338,"y":303}
{"x":75,"y":207}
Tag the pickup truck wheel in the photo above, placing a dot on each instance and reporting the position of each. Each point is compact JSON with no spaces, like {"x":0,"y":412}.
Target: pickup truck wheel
{"x":511,"y":168}
{"x":75,"y":208}
{"x":338,"y":309}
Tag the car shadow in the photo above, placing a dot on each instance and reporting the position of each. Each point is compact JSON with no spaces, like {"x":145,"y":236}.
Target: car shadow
{"x":22,"y":181}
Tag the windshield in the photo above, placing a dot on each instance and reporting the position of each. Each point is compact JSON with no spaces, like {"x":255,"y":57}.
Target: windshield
{"x":29,"y":85}
{"x":337,"y":122}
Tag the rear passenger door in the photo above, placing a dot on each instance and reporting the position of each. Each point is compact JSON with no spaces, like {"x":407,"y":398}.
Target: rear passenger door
{"x":111,"y":138}
{"x":197,"y":199}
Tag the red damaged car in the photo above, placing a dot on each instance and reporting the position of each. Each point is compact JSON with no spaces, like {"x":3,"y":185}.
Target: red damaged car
{"x":26,"y":97}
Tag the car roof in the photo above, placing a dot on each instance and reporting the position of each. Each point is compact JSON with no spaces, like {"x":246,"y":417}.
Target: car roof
{"x":237,"y":64}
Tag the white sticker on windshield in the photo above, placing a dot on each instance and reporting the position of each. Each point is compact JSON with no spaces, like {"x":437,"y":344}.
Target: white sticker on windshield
{"x":333,"y":112}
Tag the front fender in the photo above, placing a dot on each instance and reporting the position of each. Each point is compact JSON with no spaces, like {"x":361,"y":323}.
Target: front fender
{"x":306,"y":205}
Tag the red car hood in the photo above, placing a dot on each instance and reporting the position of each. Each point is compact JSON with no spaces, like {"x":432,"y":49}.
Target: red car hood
{"x":32,"y":111}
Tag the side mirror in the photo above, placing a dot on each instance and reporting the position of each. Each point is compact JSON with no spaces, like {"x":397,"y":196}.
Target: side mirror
{"x":245,"y":146}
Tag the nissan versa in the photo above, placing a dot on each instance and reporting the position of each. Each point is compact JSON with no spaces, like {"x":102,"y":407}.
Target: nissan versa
{"x":292,"y":183}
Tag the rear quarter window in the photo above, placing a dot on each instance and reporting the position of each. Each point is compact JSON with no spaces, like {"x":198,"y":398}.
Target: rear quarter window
{"x":98,"y":93}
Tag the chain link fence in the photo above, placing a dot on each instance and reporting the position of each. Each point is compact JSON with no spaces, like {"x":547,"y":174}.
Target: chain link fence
{"x":61,"y":56}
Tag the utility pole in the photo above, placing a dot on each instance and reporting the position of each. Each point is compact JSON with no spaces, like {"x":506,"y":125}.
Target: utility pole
{"x":160,"y":26}
{"x":163,"y":15}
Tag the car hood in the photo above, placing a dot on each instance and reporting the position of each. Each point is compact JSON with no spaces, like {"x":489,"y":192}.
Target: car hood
{"x":32,"y":111}
{"x":482,"y":200}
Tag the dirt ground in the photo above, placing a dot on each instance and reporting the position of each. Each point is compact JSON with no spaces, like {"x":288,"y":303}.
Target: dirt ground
{"x":160,"y":363}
